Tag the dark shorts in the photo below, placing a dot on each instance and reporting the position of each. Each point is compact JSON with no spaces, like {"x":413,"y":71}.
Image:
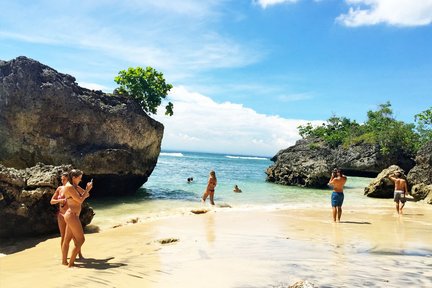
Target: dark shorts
{"x":399,"y":196}
{"x":337,"y":199}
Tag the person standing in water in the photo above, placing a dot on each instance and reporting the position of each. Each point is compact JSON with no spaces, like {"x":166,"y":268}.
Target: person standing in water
{"x":337,"y":181}
{"x":400,"y":191}
{"x":210,"y":189}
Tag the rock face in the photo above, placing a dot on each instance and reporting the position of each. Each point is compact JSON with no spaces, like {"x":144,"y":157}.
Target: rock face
{"x":382,"y":186}
{"x":420,"y":177}
{"x":46,"y":117}
{"x":310,"y":161}
{"x":25,"y":196}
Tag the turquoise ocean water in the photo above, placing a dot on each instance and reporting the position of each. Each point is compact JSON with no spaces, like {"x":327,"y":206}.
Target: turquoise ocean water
{"x":167,"y":192}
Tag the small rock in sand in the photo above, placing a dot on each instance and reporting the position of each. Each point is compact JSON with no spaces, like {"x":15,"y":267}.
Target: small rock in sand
{"x":199,"y":211}
{"x":133,"y":220}
{"x":167,"y":240}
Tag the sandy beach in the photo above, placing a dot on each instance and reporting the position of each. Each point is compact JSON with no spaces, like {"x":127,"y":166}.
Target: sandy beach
{"x":228,"y":248}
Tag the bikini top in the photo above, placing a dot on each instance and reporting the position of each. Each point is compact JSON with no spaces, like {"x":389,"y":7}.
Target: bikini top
{"x":76,"y":191}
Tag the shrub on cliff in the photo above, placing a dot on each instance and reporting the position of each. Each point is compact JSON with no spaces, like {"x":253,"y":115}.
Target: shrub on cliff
{"x":424,"y":125}
{"x":380,"y":128}
{"x":147,"y":86}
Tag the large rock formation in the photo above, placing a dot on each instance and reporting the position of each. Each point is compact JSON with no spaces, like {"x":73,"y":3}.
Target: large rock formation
{"x":420,"y":177}
{"x":309,"y":162}
{"x":46,"y":117}
{"x":25,"y":200}
{"x":382,"y":186}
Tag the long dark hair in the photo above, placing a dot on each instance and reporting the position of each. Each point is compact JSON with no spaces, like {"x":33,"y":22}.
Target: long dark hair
{"x":74,"y":173}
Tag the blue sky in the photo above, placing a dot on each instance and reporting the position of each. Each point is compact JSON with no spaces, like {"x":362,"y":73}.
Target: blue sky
{"x":246,"y":73}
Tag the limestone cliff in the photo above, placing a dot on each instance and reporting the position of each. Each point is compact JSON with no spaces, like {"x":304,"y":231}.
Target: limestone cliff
{"x":420,"y":177}
{"x":46,"y":117}
{"x":310,"y":161}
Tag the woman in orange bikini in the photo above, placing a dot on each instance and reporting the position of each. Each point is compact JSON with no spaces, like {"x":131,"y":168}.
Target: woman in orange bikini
{"x":75,"y":195}
{"x":211,"y":184}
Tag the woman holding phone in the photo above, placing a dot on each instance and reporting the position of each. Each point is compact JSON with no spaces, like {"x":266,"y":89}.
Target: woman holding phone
{"x":74,"y":195}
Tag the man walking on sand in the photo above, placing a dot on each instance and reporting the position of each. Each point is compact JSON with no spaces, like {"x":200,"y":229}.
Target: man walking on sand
{"x":338,"y":181}
{"x":400,"y":190}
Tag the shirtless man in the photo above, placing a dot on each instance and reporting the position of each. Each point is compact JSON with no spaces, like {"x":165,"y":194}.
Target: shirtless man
{"x":337,"y":181}
{"x":400,"y":190}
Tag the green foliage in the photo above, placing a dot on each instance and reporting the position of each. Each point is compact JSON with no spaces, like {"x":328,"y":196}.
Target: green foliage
{"x":147,"y":86}
{"x":335,"y":131}
{"x":424,"y":125}
{"x":380,"y":128}
{"x":314,"y":146}
{"x":390,"y":134}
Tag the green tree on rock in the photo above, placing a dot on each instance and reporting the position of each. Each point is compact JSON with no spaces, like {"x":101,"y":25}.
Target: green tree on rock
{"x":424,"y":125}
{"x":147,"y":86}
{"x":381,"y":128}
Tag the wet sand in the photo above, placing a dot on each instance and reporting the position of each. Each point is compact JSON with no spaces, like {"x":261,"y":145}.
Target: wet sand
{"x":228,"y":248}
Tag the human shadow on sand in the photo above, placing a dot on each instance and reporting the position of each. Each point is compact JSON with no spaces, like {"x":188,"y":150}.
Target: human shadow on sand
{"x":20,"y":243}
{"x":98,"y":264}
{"x":355,"y":222}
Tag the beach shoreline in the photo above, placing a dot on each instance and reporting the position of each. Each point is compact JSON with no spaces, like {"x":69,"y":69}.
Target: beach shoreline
{"x":229,"y":248}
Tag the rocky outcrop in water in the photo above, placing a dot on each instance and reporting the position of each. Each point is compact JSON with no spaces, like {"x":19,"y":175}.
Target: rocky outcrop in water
{"x":25,"y":196}
{"x":310,"y":161}
{"x":420,"y":177}
{"x":382,"y":186}
{"x":46,"y":117}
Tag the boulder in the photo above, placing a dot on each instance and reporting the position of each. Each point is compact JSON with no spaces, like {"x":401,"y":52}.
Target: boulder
{"x":310,"y":161}
{"x":420,"y":177}
{"x":25,"y":196}
{"x":422,"y":192}
{"x":382,"y":186}
{"x":46,"y":117}
{"x":304,"y":164}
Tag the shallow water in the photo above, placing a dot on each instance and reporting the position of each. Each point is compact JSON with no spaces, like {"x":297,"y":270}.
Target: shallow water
{"x":167,"y":192}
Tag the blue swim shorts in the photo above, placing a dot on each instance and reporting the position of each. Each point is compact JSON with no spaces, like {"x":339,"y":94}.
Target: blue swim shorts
{"x":337,"y":199}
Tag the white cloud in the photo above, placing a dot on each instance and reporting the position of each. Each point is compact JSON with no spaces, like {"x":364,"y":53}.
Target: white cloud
{"x":94,"y":86}
{"x":265,"y":3}
{"x":392,"y":12}
{"x":148,"y":33}
{"x":201,"y":124}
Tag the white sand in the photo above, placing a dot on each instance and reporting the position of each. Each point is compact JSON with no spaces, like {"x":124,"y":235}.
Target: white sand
{"x":225,"y":248}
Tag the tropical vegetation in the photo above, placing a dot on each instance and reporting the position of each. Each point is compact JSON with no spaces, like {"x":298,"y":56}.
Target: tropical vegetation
{"x":380,"y":128}
{"x":147,"y":86}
